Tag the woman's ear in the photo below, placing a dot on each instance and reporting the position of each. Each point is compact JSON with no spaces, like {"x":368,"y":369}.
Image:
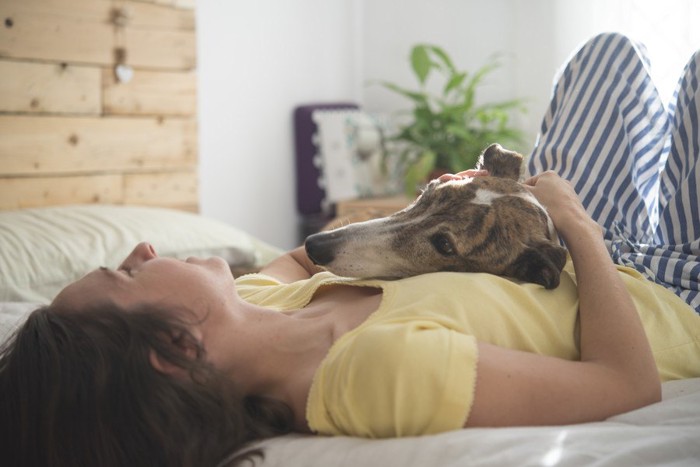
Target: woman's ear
{"x":164,"y":366}
{"x":180,"y":342}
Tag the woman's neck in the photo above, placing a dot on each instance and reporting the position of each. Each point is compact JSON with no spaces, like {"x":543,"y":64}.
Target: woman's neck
{"x":276,"y":354}
{"x":264,"y":350}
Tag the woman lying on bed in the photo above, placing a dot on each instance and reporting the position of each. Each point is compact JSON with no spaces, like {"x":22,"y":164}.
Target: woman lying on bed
{"x":162,"y":362}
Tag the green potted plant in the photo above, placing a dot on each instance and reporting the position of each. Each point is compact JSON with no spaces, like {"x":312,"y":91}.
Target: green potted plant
{"x":448,"y":131}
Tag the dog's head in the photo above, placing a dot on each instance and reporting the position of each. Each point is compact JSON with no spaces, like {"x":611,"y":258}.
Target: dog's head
{"x":483,"y":224}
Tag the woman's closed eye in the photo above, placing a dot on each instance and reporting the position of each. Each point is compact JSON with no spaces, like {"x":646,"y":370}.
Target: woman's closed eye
{"x":126,"y":269}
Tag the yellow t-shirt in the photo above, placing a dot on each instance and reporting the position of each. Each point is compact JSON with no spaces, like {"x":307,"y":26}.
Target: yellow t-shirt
{"x":410,"y":368}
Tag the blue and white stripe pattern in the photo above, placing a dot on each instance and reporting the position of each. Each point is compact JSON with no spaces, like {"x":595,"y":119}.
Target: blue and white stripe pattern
{"x":633,"y":161}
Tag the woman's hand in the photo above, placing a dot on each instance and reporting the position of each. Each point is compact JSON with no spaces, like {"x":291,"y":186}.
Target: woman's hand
{"x":471,"y":173}
{"x":562,"y":203}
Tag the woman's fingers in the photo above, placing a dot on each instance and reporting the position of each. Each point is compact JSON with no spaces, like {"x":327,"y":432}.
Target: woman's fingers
{"x":532,"y":181}
{"x":463,"y":174}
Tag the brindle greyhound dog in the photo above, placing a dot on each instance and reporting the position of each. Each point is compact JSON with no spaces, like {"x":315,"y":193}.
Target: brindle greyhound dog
{"x":482,"y":224}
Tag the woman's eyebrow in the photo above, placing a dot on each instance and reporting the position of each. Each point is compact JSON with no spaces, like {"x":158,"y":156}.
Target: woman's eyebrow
{"x":110,"y":272}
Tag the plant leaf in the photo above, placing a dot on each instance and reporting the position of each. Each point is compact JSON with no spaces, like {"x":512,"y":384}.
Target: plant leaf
{"x":517,"y":104}
{"x":420,"y":61}
{"x":454,"y":82}
{"x":479,"y":75}
{"x":416,"y":96}
{"x":444,"y":58}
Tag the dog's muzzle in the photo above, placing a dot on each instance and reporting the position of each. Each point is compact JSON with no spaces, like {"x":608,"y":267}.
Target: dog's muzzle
{"x":320,"y":247}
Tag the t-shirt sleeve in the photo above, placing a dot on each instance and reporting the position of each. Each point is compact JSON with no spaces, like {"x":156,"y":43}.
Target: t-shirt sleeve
{"x":395,"y":380}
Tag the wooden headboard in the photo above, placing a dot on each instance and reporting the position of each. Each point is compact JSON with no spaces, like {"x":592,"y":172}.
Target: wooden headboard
{"x":70,"y":132}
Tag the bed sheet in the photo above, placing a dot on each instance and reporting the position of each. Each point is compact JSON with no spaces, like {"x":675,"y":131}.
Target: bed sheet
{"x":666,"y":433}
{"x":12,"y":314}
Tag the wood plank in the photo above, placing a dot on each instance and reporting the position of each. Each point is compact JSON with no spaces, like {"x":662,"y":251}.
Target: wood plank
{"x":189,"y":4}
{"x":17,"y":193}
{"x":162,"y":49}
{"x":80,"y":31}
{"x":154,"y":15}
{"x":177,"y":189}
{"x":49,"y":88}
{"x":150,"y":93}
{"x":52,"y":145}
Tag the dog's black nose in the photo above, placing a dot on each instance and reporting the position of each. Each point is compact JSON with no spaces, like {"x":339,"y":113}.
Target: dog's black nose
{"x":319,"y":248}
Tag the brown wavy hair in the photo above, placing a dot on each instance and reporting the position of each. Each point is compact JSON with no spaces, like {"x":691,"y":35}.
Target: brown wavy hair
{"x":78,"y":389}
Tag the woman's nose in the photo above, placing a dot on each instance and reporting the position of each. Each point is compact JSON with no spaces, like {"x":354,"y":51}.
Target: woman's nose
{"x":143,"y":252}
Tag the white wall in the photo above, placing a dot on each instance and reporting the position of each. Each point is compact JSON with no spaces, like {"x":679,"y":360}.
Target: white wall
{"x":547,"y":32}
{"x":469,"y":31}
{"x":259,"y":59}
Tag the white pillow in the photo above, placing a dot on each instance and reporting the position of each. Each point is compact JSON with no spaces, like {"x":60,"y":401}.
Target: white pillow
{"x":42,"y":250}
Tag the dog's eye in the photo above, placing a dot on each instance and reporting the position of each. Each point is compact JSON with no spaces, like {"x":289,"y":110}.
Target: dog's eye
{"x":442,"y":244}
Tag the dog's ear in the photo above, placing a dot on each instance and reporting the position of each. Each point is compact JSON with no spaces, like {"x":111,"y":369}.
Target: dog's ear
{"x":540,"y":263}
{"x":501,"y":162}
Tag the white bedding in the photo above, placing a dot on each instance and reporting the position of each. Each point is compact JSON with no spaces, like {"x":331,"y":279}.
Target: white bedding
{"x":43,"y":249}
{"x":12,"y":314}
{"x":667,"y":433}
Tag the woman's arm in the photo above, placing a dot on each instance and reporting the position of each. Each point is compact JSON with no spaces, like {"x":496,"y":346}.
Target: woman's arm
{"x":292,"y":266}
{"x":616,"y":373}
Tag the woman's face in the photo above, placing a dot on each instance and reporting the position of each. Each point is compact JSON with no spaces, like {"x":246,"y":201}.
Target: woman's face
{"x":197,"y":285}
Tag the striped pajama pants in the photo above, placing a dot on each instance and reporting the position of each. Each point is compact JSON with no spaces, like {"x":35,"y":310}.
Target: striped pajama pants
{"x":634,"y":161}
